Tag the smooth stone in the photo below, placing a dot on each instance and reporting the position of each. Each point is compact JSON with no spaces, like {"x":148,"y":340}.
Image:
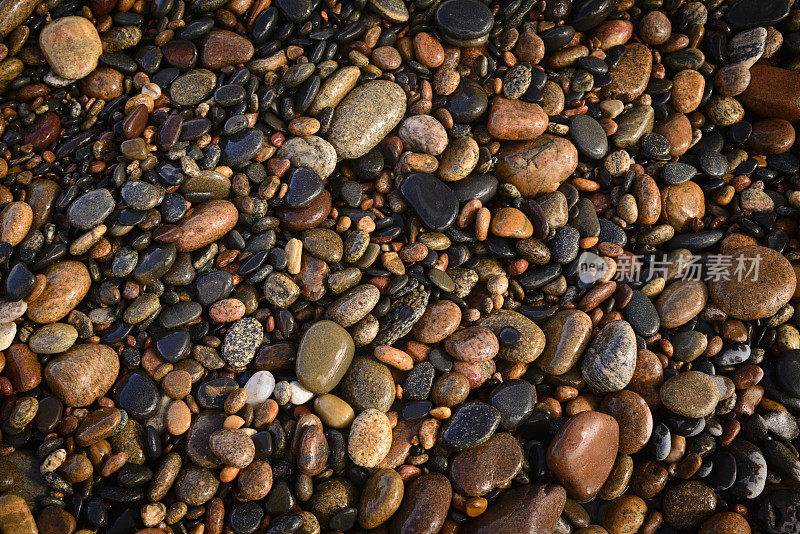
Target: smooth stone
{"x":304,"y":186}
{"x":440,"y":320}
{"x":431,"y":199}
{"x":468,"y":102}
{"x":456,"y":28}
{"x":751,"y":469}
{"x":207,"y":223}
{"x":392,"y":10}
{"x":90,"y":209}
{"x":310,"y":151}
{"x":630,"y":75}
{"x":195,"y":485}
{"x":423,"y":133}
{"x":335,"y":88}
{"x":687,"y":504}
{"x":13,"y":13}
{"x":681,"y":203}
{"x":529,"y":508}
{"x":233,"y":447}
{"x":323,"y":357}
{"x":308,"y":217}
{"x":690,"y":394}
{"x":368,"y":384}
{"x":610,"y":360}
{"x":22,"y":367}
{"x":633,"y":417}
{"x":424,"y":507}
{"x":567,"y":334}
{"x":472,"y":344}
{"x":537,"y":166}
{"x":480,"y":469}
{"x":531,"y":343}
{"x":370,"y":438}
{"x":380,"y":499}
{"x":259,"y":387}
{"x":756,"y":295}
{"x":223,"y":48}
{"x":588,"y":136}
{"x":137,"y":394}
{"x":197,"y":439}
{"x":687,"y":346}
{"x":365,"y":116}
{"x":241,"y":342}
{"x":751,"y":13}
{"x":633,"y":125}
{"x":71,"y":46}
{"x":333,"y":411}
{"x":82,"y":374}
{"x":15,"y":516}
{"x":240,"y":148}
{"x":773,"y":92}
{"x":516,"y":120}
{"x":582,"y":453}
{"x":67,"y":284}
{"x":193,"y":87}
{"x":53,"y":338}
{"x":747,"y":47}
{"x":353,"y":305}
{"x":680,"y":302}
{"x":471,"y":425}
{"x":642,"y":315}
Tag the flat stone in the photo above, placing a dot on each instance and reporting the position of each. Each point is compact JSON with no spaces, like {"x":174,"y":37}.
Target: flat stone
{"x":353,"y":305}
{"x":207,"y":223}
{"x":242,"y":341}
{"x":431,"y":199}
{"x":67,"y":284}
{"x":480,"y":469}
{"x":751,"y":13}
{"x":424,"y":507}
{"x":370,"y":438}
{"x":381,"y":497}
{"x":630,"y":76}
{"x":310,"y":151}
{"x":516,"y":120}
{"x":90,"y":209}
{"x":537,"y":166}
{"x":459,"y":29}
{"x":472,"y":424}
{"x":582,"y":453}
{"x":82,"y":374}
{"x":588,"y":136}
{"x":530,"y":508}
{"x":223,"y":48}
{"x":192,"y":87}
{"x":531,"y":343}
{"x":633,"y":125}
{"x":365,"y":116}
{"x":680,"y":302}
{"x":195,"y":485}
{"x":423,"y":133}
{"x":610,"y":360}
{"x":71,"y":46}
{"x":368,"y":384}
{"x":747,"y":47}
{"x":323,"y":357}
{"x":15,"y":516}
{"x":690,"y":394}
{"x":687,"y":504}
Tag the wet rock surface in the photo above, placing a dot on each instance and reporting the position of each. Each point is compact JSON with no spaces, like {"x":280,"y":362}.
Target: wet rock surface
{"x":399,"y":267}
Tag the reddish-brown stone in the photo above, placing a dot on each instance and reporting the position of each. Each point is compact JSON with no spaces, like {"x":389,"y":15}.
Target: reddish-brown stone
{"x":206,"y":224}
{"x":223,"y":48}
{"x":515,"y":120}
{"x":537,"y":166}
{"x":773,"y":92}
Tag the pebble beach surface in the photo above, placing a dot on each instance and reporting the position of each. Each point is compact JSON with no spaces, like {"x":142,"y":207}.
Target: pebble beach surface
{"x":399,"y":267}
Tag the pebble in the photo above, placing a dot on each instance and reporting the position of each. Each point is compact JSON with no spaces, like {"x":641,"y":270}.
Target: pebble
{"x":478,"y":470}
{"x":630,"y":75}
{"x":530,"y":508}
{"x":382,"y":496}
{"x":365,"y":116}
{"x":755,"y":297}
{"x":516,"y":120}
{"x":471,"y":425}
{"x":568,"y":332}
{"x":323,"y":357}
{"x":71,"y":46}
{"x":610,"y":360}
{"x":537,"y":166}
{"x":423,"y":133}
{"x":680,"y":302}
{"x":82,"y":374}
{"x":424,"y":506}
{"x":431,"y":199}
{"x":582,"y":453}
{"x":690,"y":394}
{"x":370,"y":438}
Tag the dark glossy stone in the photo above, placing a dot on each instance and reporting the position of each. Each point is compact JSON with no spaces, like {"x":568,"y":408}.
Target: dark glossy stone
{"x":515,"y":400}
{"x":471,"y":424}
{"x":137,"y":394}
{"x":431,"y":199}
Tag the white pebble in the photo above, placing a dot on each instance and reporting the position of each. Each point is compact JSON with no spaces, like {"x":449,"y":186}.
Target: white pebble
{"x":300,"y":395}
{"x":259,"y":388}
{"x":12,"y":310}
{"x":7,"y":333}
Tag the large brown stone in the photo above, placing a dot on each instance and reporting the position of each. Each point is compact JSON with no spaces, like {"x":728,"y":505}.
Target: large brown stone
{"x":567,"y":334}
{"x":425,"y":505}
{"x":760,"y":293}
{"x":527,"y":509}
{"x":773,"y":92}
{"x":630,"y":76}
{"x":537,"y":166}
{"x":223,"y":48}
{"x":82,"y":374}
{"x":493,"y":464}
{"x":515,"y":120}
{"x":67,"y":284}
{"x":582,"y":453}
{"x":72,"y":46}
{"x":207,"y":223}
